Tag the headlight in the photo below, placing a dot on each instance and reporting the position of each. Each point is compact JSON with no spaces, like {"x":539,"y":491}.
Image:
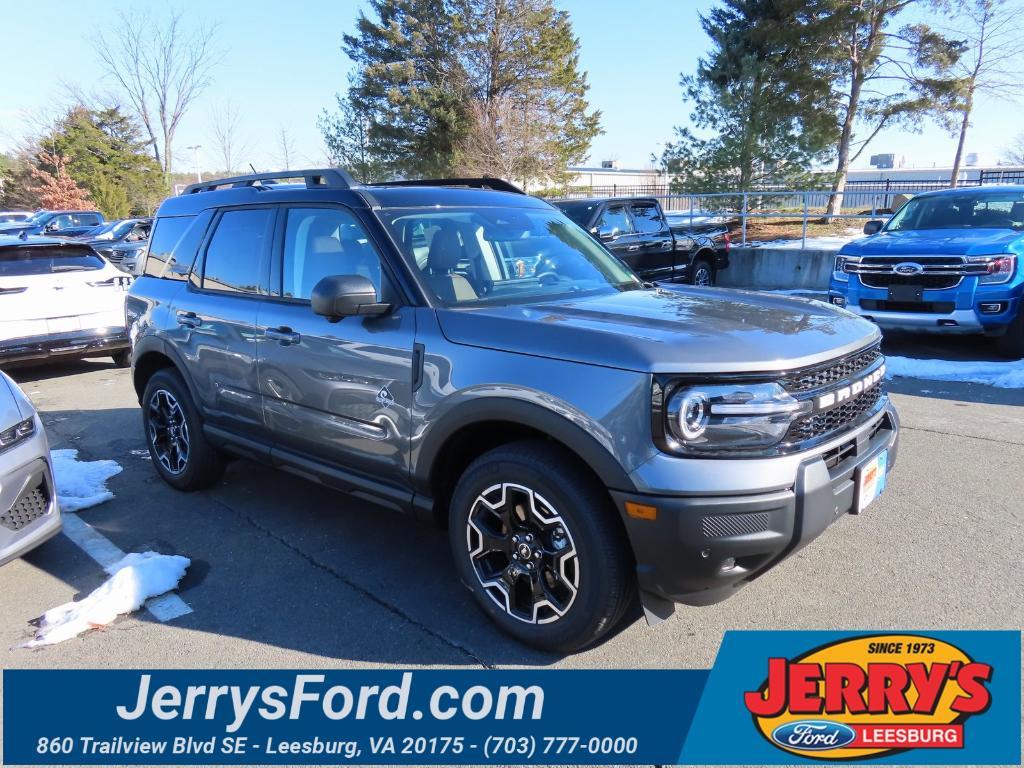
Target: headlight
{"x":1000,"y":268}
{"x":20,"y":431}
{"x":839,"y":271}
{"x":722,"y":418}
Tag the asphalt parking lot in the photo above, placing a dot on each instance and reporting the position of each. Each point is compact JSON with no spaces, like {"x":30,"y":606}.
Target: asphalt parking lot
{"x":288,"y":574}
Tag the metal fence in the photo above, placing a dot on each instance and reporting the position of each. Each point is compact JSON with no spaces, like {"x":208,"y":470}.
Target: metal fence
{"x":864,"y":199}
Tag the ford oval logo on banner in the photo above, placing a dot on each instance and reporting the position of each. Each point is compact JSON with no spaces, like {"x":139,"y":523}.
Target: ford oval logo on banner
{"x":908,"y":268}
{"x":813,"y":735}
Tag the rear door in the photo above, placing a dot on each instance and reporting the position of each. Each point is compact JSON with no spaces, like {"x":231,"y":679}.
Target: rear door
{"x":337,"y":391}
{"x":216,"y":317}
{"x":656,"y":258}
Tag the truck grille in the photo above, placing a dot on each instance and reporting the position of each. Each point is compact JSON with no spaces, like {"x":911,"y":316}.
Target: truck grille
{"x":831,"y":372}
{"x":937,"y":272}
{"x":29,"y":507}
{"x":841,"y":417}
{"x":934,"y":282}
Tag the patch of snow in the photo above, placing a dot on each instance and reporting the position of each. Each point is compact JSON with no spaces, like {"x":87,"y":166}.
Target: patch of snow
{"x":797,"y":292}
{"x":81,"y":484}
{"x":134,"y":579}
{"x":824,"y":243}
{"x":1009,"y":375}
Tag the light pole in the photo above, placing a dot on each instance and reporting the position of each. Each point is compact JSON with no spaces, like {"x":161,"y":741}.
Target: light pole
{"x":195,"y":155}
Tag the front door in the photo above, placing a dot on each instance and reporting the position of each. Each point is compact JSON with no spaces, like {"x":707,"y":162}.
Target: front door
{"x":656,"y":259}
{"x":336,"y":391}
{"x":615,"y":230}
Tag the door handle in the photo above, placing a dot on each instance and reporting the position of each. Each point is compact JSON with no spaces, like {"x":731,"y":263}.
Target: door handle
{"x":284,"y":335}
{"x":633,"y":248}
{"x":189,"y":319}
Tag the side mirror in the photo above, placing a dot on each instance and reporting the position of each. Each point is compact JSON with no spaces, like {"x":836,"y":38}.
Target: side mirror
{"x":873,"y":227}
{"x":53,"y":226}
{"x":341,"y":296}
{"x":607,"y":234}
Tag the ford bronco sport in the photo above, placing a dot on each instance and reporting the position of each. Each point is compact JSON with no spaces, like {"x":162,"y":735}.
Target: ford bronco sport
{"x":584,"y":438}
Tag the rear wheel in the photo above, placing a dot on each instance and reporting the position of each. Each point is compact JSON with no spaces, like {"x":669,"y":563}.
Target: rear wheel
{"x":538,"y":543}
{"x":702,"y":273}
{"x":1011,"y":343}
{"x":174,"y":433}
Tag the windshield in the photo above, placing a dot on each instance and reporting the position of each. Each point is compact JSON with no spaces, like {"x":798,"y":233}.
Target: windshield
{"x":579,"y":211}
{"x":477,"y":256}
{"x":110,"y":230}
{"x":39,"y":217}
{"x":970,"y":210}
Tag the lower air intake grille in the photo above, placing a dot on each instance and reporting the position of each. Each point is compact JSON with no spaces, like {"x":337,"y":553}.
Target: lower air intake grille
{"x":722,"y":526}
{"x":30,"y":506}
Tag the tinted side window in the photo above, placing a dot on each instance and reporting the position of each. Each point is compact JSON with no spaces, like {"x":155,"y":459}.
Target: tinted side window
{"x":167,"y":234}
{"x":87,"y":219}
{"x":647,"y":218}
{"x":319,"y":242}
{"x":234,"y":255}
{"x":615,"y":220}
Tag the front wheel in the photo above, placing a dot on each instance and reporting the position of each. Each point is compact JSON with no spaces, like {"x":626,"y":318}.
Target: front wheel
{"x":538,"y":543}
{"x":702,"y":273}
{"x":1011,"y":343}
{"x":174,"y":433}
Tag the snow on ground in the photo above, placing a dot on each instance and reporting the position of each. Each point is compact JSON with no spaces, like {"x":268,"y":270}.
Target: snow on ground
{"x":134,"y":579}
{"x":81,"y":484}
{"x":807,"y":292}
{"x":1008,"y":375}
{"x":824,"y":243}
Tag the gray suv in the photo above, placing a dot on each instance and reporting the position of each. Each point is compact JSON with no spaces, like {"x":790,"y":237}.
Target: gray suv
{"x":465,"y":353}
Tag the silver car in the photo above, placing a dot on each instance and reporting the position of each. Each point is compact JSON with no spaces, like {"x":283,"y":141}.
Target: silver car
{"x":29,"y":513}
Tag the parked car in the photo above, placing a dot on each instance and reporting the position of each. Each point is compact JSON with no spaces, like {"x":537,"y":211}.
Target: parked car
{"x":55,"y":223}
{"x":578,"y":431}
{"x":946,"y":262}
{"x":637,"y":231}
{"x":29,"y":513}
{"x":59,"y":298}
{"x":11,"y":217}
{"x":120,"y":242}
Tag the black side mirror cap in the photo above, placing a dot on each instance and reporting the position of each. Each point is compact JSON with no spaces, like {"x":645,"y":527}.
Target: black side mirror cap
{"x":341,"y":296}
{"x":873,"y":227}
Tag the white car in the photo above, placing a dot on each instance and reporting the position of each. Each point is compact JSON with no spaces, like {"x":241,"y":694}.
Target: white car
{"x":29,"y":513}
{"x":59,"y":298}
{"x":13,"y":217}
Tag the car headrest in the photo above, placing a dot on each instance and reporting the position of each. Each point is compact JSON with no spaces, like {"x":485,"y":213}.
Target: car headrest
{"x":445,"y":251}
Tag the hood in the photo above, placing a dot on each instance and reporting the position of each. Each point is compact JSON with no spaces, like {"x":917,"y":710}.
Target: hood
{"x":938,"y":242}
{"x":15,"y":229}
{"x":668,"y":330}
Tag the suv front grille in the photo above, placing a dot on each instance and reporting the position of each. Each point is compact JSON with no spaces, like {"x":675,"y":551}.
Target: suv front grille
{"x":831,"y":372}
{"x":29,"y":507}
{"x":841,"y":417}
{"x":926,"y":281}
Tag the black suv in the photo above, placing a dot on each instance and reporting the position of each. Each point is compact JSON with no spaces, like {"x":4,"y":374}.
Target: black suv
{"x":461,"y":351}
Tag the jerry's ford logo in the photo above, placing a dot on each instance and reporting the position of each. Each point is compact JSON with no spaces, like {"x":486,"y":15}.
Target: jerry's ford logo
{"x":908,"y":268}
{"x":851,"y":390}
{"x":814,"y":735}
{"x":869,"y":696}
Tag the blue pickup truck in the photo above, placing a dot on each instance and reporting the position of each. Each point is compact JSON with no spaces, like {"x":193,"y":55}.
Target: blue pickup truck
{"x":946,"y":262}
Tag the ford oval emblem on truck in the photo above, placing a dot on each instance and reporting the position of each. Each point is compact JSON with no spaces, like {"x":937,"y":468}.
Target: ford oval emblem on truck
{"x":813,"y":735}
{"x":908,"y":268}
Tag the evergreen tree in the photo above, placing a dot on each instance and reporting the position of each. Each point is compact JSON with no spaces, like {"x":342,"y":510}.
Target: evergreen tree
{"x":104,"y":151}
{"x":347,"y":136}
{"x":762,"y":103}
{"x":409,"y":83}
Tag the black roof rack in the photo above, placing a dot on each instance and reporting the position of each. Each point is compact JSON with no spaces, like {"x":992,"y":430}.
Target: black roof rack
{"x":326,"y":178}
{"x":484,"y":182}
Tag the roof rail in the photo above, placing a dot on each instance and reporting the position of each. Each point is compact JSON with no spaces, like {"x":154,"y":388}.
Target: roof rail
{"x":484,"y":182}
{"x":326,"y":178}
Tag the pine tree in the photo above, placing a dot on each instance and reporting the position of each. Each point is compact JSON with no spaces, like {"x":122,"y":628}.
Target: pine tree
{"x":762,"y":102}
{"x":347,"y":136}
{"x":409,"y":83}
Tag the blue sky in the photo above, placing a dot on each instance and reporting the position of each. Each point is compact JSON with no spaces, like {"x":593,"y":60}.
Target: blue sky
{"x":282,"y":64}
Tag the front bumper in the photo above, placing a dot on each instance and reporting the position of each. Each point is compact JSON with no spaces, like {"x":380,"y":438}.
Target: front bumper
{"x":29,"y":512}
{"x":81,"y":343}
{"x":684,"y":554}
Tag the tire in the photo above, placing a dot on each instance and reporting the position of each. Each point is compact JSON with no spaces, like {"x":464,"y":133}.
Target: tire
{"x":1011,"y":343}
{"x":581,"y":576}
{"x":122,"y":359}
{"x":174,"y":435}
{"x":702,"y":273}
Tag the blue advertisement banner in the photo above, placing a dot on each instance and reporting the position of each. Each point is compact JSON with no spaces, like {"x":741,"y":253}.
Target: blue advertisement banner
{"x":771,"y":698}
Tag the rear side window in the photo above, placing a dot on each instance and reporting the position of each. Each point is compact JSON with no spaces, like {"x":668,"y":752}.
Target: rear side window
{"x":172,"y":248}
{"x":21,"y":262}
{"x":647,"y":218}
{"x":235,"y":253}
{"x":87,"y":219}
